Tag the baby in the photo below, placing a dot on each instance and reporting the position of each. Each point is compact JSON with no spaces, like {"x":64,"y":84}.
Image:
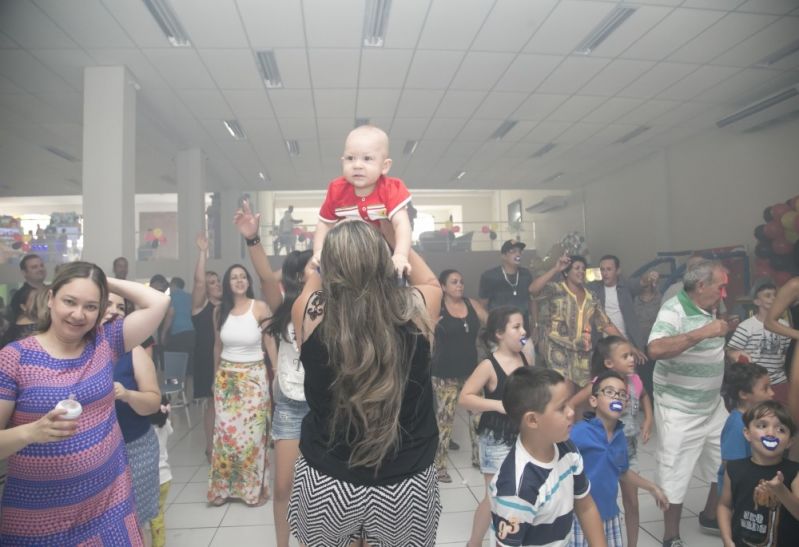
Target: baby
{"x":365,"y":192}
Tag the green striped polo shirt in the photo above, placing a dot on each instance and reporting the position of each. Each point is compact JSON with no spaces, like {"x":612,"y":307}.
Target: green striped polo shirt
{"x":690,"y":382}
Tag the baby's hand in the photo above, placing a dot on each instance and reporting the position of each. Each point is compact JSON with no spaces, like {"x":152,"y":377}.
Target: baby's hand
{"x":401,"y":265}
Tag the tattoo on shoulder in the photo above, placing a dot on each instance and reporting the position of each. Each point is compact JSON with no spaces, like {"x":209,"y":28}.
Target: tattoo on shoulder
{"x":316,"y":305}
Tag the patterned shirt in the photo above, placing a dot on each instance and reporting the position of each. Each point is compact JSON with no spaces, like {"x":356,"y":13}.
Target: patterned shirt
{"x":691,"y":381}
{"x":568,"y":324}
{"x":766,"y":348}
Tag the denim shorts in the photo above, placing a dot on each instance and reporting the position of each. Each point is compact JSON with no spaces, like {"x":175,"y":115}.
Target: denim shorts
{"x":288,"y":415}
{"x":492,"y":453}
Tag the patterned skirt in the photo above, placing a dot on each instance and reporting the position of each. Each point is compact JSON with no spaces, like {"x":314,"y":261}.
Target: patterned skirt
{"x":241,"y":401}
{"x":143,"y":457}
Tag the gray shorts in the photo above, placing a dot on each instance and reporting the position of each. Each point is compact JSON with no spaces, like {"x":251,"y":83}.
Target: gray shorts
{"x":288,"y":415}
{"x":492,"y":454}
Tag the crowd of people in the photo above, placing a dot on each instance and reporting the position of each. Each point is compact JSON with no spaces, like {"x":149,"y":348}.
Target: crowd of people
{"x":349,"y":371}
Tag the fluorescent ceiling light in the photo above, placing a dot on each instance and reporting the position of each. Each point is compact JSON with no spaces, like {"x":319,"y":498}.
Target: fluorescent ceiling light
{"x":543,"y":150}
{"x":263,"y":177}
{"x":632,"y":134}
{"x":410,"y":148}
{"x":293,"y":147}
{"x":235,"y":130}
{"x":460,"y":175}
{"x":375,"y":22}
{"x":503,"y":129}
{"x":61,"y":154}
{"x":779,"y":55}
{"x":170,"y":25}
{"x":605,"y":28}
{"x":779,"y":120}
{"x":361,"y":121}
{"x":267,"y":64}
{"x":759,"y":106}
{"x":552,"y":178}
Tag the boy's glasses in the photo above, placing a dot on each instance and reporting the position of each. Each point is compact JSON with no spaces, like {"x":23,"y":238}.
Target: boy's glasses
{"x":611,"y":393}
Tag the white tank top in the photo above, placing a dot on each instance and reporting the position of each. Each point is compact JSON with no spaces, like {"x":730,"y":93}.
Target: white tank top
{"x":290,"y":372}
{"x":241,"y":338}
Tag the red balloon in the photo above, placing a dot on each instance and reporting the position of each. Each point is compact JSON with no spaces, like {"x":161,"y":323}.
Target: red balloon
{"x":485,"y":229}
{"x":781,"y":278}
{"x":781,"y":247}
{"x":443,"y":231}
{"x":456,"y":229}
{"x":297,"y":231}
{"x":778,"y":210}
{"x":774,"y":229}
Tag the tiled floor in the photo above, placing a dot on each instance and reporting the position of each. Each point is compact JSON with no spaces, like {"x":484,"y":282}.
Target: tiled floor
{"x":190,"y":522}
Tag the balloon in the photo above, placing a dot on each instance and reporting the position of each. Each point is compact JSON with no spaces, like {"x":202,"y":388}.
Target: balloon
{"x":781,"y":278}
{"x":485,"y":229}
{"x":760,"y":235}
{"x":492,"y":235}
{"x":493,"y":227}
{"x":788,"y":219}
{"x":158,"y":232}
{"x":774,"y":230}
{"x":443,"y":231}
{"x":767,"y":214}
{"x":763,"y":250}
{"x":456,"y":229}
{"x":779,"y":209}
{"x":781,"y":247}
{"x":296,"y":231}
{"x":791,"y":236}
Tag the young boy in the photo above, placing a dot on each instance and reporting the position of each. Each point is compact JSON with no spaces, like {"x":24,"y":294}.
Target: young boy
{"x":541,"y":483}
{"x":600,"y":439}
{"x":365,"y":192}
{"x":752,"y":343}
{"x":759,"y":503}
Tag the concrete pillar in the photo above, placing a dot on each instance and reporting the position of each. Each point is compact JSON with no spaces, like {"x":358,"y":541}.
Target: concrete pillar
{"x":190,"y":166}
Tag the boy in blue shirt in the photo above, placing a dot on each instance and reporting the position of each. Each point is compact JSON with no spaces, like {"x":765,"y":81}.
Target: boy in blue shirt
{"x":601,"y":441}
{"x":541,"y":485}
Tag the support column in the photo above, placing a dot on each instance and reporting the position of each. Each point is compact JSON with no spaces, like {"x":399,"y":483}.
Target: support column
{"x":109,"y":158}
{"x":190,"y":166}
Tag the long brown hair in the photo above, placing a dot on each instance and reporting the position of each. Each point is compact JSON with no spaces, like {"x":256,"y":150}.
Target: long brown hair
{"x":365,"y":314}
{"x":69,"y":272}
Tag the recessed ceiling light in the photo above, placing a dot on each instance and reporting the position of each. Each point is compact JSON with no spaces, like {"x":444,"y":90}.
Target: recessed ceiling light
{"x":170,"y":25}
{"x":632,"y":134}
{"x":543,"y":150}
{"x":262,"y":176}
{"x":605,"y":28}
{"x":361,"y":121}
{"x":552,"y":178}
{"x":375,"y":22}
{"x":61,"y":154}
{"x":267,"y":64}
{"x":503,"y":129}
{"x":235,"y":130}
{"x":293,"y":147}
{"x":779,"y":55}
{"x":410,"y":148}
{"x":460,"y":175}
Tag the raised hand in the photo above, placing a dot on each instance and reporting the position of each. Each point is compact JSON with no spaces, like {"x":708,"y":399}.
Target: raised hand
{"x":202,"y":242}
{"x":246,"y":222}
{"x":563,"y":262}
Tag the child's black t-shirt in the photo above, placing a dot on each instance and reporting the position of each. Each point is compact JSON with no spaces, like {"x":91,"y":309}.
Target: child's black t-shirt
{"x":763,"y":522}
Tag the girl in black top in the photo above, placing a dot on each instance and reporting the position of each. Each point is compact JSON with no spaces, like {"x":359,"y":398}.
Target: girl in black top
{"x":454,"y":358}
{"x":483,"y":391}
{"x":367,"y":445}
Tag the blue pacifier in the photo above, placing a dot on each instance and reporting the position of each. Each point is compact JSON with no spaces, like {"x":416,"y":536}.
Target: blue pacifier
{"x":524,"y":340}
{"x":616,"y":406}
{"x":770,"y":442}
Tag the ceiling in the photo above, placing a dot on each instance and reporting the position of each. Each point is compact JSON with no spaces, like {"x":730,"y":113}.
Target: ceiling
{"x":449,"y":73}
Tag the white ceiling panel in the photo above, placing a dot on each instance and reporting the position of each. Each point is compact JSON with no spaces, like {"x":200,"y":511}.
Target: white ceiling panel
{"x":740,"y":85}
{"x":69,"y":106}
{"x":616,"y":76}
{"x":384,"y":68}
{"x":298,"y":128}
{"x":481,"y":70}
{"x":216,"y":25}
{"x":546,"y":131}
{"x":405,"y":129}
{"x":539,"y":106}
{"x":262,"y":132}
{"x":334,"y":68}
{"x":443,"y":31}
{"x":572,"y":74}
{"x":511,"y":23}
{"x":612,"y":110}
{"x":776,"y":7}
{"x":528,"y":71}
{"x":292,"y":103}
{"x":333,"y":24}
{"x":579,"y":132}
{"x":6,"y":42}
{"x":460,"y":104}
{"x":692,"y":114}
{"x":442,"y":129}
{"x":418,"y":103}
{"x":137,"y":22}
{"x":335,"y":103}
{"x":335,"y":130}
{"x":293,"y":67}
{"x":676,"y":29}
{"x":182,"y":67}
{"x":139,"y":66}
{"x":499,"y":104}
{"x":639,"y":23}
{"x":767,"y":41}
{"x":712,"y":4}
{"x":6,"y":86}
{"x":664,"y":75}
{"x":89,"y":26}
{"x":27,"y":25}
{"x":648,"y":111}
{"x":566,"y":26}
{"x":249,"y":103}
{"x":67,"y":63}
{"x":479,"y":130}
{"x":433,"y":69}
{"x":405,"y":22}
{"x":232,"y":68}
{"x":28,"y":73}
{"x":277,"y":23}
{"x":377,"y":103}
{"x":206,"y":104}
{"x":698,"y":81}
{"x":576,"y":108}
{"x":721,"y":37}
{"x":462,"y":149}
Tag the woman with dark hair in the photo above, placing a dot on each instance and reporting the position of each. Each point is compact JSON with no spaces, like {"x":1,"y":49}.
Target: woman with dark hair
{"x":241,"y":395}
{"x":288,"y":387}
{"x":573,"y":317}
{"x":68,"y":477}
{"x":787,"y":300}
{"x":366,"y":471}
{"x":206,"y":293}
{"x":22,"y":315}
{"x":454,"y":358}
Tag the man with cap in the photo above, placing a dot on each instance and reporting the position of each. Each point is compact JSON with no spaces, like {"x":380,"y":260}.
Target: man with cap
{"x":508,"y":284}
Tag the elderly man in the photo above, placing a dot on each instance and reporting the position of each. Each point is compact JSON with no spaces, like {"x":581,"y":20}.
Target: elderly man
{"x":509,"y":283}
{"x":687,"y":342}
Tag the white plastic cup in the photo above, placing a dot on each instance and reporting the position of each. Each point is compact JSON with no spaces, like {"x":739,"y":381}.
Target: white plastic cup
{"x":73,"y":408}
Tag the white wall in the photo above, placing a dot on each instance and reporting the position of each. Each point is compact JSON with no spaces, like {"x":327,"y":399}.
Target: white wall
{"x":707,"y":191}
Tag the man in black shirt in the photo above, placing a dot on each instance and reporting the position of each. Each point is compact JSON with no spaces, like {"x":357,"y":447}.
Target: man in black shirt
{"x":508,"y":284}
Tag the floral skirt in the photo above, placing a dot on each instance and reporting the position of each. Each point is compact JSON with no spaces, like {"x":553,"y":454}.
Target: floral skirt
{"x":241,"y":401}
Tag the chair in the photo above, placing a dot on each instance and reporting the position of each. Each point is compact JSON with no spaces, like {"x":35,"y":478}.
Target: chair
{"x":173,"y":381}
